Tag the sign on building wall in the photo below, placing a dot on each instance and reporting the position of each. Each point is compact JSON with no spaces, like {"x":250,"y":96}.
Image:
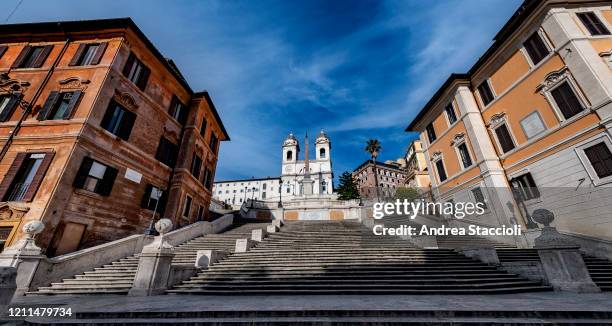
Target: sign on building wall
{"x":133,"y":175}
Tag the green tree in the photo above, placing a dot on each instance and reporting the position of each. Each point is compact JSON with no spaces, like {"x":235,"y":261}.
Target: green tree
{"x":408,"y":193}
{"x":347,"y":189}
{"x":373,"y":147}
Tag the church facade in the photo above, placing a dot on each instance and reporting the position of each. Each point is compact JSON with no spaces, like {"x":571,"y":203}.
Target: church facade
{"x":290,"y":184}
{"x":318,"y":169}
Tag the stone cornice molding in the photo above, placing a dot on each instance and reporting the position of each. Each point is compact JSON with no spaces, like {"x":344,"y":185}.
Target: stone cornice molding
{"x":74,"y":83}
{"x":458,"y":139}
{"x":496,"y":120}
{"x":435,"y":156}
{"x":125,"y":99}
{"x":552,"y":79}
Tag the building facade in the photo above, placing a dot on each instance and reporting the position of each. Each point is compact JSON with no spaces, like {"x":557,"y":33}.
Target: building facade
{"x":417,"y":175}
{"x":236,"y":192}
{"x":529,"y":125}
{"x":99,"y":132}
{"x":391,"y":175}
{"x":293,"y":169}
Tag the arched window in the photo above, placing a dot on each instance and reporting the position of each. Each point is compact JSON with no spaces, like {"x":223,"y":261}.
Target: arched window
{"x":323,"y":184}
{"x":289,"y":155}
{"x":264,"y":186}
{"x":322,"y":153}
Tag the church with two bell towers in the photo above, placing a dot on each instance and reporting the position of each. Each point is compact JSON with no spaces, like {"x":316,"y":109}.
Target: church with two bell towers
{"x":308,"y":176}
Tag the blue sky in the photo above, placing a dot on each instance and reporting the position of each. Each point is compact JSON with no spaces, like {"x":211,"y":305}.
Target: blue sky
{"x":358,"y":69}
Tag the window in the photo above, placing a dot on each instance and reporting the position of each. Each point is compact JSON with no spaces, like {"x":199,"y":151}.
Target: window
{"x":431,"y":133}
{"x":136,"y":71}
{"x":479,"y":197}
{"x":213,"y":143}
{"x":59,"y":106}
{"x":208,"y":178}
{"x":536,"y":49}
{"x":504,"y":138}
{"x":88,"y":54}
{"x":525,"y":187}
{"x":450,"y":114}
{"x":118,"y":120}
{"x":24,"y":176}
{"x":196,"y":164}
{"x":264,"y":186}
{"x":601,"y":159}
{"x":153,"y":199}
{"x":8,"y":103}
{"x":263,"y":195}
{"x":466,"y":160}
{"x":166,"y":152}
{"x":566,"y":100}
{"x":441,"y":171}
{"x":592,"y":23}
{"x":200,"y":213}
{"x":178,"y":110}
{"x":32,"y":56}
{"x":289,"y":155}
{"x":532,"y":125}
{"x":203,"y":127}
{"x":486,"y":95}
{"x":95,"y":177}
{"x":187,"y":207}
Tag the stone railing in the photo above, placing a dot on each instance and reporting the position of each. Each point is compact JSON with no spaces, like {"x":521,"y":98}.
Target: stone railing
{"x":36,"y":270}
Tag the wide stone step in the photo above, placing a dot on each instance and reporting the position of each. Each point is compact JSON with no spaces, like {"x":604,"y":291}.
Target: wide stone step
{"x":378,"y":291}
{"x":350,"y":282}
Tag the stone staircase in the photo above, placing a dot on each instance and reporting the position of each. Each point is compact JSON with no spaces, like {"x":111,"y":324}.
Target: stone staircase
{"x":600,"y":269}
{"x":344,"y":257}
{"x":118,"y":276}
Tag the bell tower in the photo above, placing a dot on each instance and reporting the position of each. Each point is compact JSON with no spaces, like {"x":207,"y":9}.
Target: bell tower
{"x":323,"y":147}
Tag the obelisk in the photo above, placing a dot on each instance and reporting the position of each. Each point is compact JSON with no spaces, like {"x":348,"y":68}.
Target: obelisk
{"x":307,"y":182}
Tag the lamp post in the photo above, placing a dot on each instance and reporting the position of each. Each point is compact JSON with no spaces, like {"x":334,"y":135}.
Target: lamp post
{"x":252,"y":196}
{"x":155,"y":194}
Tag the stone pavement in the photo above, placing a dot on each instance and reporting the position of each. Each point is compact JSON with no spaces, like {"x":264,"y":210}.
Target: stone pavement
{"x":543,"y":301}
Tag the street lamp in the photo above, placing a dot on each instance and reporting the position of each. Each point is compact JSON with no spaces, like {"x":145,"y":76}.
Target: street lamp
{"x":155,"y":194}
{"x":252,"y":196}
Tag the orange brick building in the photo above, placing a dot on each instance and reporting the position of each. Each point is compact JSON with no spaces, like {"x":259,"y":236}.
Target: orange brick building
{"x":99,"y":131}
{"x":529,"y":125}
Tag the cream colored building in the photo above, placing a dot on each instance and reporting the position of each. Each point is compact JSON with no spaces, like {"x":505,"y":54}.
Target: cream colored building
{"x":417,"y":175}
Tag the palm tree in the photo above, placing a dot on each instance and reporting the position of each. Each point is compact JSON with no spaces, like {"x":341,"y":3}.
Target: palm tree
{"x":373,"y":147}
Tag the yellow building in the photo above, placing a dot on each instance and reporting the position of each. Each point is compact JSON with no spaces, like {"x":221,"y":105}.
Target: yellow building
{"x":529,"y":125}
{"x":416,"y":168}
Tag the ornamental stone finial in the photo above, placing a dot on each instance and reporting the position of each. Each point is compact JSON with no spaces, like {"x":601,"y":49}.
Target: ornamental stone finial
{"x":163,"y":226}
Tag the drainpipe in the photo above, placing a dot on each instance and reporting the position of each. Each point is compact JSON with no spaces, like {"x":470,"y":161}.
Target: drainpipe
{"x":28,"y":108}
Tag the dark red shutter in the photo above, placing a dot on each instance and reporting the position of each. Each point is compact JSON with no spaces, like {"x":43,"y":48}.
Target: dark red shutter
{"x":81,"y":176}
{"x":128,"y":65}
{"x":127,"y":122}
{"x":3,"y":49}
{"x":10,"y":174}
{"x":99,"y":53}
{"x":144,"y":78}
{"x":10,"y":107}
{"x":40,"y":60}
{"x":107,"y":182}
{"x":76,"y":95}
{"x":78,"y":54}
{"x":49,"y":104}
{"x":21,"y":56}
{"x":39,"y":176}
{"x":144,"y":203}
